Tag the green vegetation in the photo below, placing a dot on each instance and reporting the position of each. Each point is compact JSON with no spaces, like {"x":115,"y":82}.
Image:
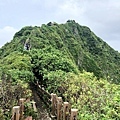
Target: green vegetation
{"x":10,"y":93}
{"x":67,"y":59}
{"x":95,"y":99}
{"x":48,"y":63}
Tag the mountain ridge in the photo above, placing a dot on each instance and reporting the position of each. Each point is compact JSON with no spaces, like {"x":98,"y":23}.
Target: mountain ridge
{"x":66,"y":59}
{"x":82,"y":45}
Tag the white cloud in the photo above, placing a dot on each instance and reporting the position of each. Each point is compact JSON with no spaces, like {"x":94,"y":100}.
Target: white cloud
{"x":71,"y":9}
{"x":6,"y":34}
{"x":102,"y":16}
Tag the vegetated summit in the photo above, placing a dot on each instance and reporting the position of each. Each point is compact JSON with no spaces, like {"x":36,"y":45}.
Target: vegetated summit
{"x":87,"y":51}
{"x":66,"y":59}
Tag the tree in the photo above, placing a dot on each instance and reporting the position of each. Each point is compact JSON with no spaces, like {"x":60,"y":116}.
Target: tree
{"x":18,"y":66}
{"x":49,"y":60}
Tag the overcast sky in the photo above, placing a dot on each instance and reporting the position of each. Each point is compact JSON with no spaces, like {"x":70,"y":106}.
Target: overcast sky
{"x":101,"y":16}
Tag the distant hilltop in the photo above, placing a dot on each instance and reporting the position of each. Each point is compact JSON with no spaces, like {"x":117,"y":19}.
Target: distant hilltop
{"x":79,"y":43}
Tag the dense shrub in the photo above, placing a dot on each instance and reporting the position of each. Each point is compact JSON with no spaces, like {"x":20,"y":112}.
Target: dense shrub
{"x":95,"y":99}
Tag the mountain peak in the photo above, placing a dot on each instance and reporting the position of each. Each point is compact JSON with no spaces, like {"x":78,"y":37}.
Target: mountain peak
{"x":88,"y":51}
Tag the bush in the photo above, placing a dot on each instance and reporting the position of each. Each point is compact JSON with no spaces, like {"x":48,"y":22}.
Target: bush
{"x":95,"y":99}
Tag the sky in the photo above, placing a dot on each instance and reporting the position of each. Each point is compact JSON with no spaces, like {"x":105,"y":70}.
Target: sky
{"x":101,"y":16}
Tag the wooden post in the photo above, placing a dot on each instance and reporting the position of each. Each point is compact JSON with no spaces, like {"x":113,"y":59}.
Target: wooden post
{"x":21,"y":103}
{"x":54,"y":102}
{"x":59,"y":108}
{"x":16,"y":114}
{"x":34,"y":106}
{"x":1,"y":91}
{"x":73,"y":114}
{"x":1,"y":88}
{"x":29,"y":118}
{"x":66,"y":108}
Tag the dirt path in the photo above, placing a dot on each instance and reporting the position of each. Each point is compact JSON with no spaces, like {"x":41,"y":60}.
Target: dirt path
{"x":42,"y":111}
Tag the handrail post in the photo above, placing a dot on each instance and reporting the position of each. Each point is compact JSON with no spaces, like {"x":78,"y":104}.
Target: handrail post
{"x":21,"y":103}
{"x":73,"y":114}
{"x":34,"y":106}
{"x":16,"y":114}
{"x":59,"y":108}
{"x":66,"y":108}
{"x":53,"y":100}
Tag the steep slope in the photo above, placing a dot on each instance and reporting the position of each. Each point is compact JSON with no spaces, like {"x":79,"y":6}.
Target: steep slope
{"x":77,"y":42}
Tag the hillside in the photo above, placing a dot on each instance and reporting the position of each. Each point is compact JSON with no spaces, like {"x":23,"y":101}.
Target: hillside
{"x":79,"y":43}
{"x":66,"y":59}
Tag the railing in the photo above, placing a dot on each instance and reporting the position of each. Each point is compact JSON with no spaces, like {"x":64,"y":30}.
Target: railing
{"x":62,"y":110}
{"x":17,"y":112}
{"x":59,"y":110}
